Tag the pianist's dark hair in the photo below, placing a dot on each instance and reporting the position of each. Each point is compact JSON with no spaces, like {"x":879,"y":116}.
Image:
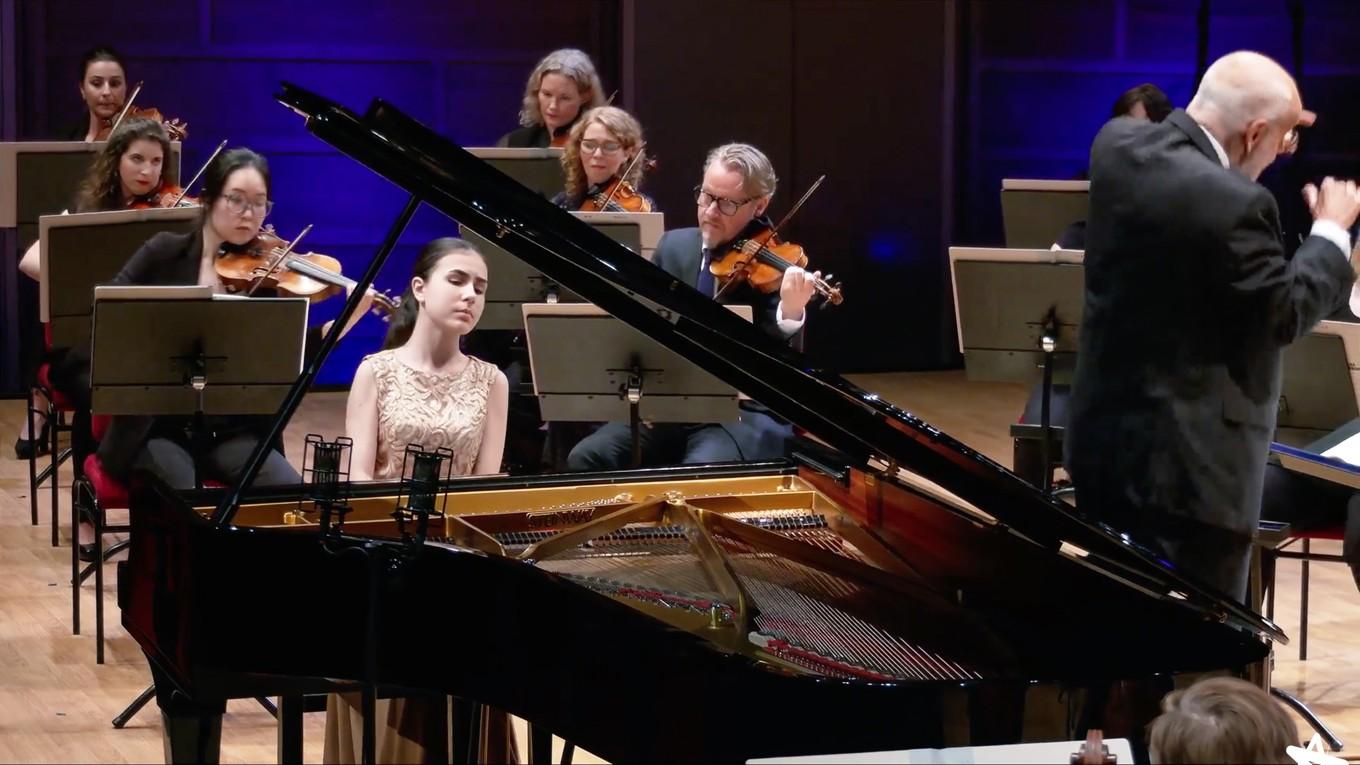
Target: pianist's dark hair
{"x":403,"y":320}
{"x":100,"y":53}
{"x":215,"y":177}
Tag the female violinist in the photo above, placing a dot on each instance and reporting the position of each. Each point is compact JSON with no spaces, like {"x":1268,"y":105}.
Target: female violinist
{"x":604,"y":160}
{"x":234,"y":202}
{"x":126,"y":171}
{"x":561,"y":87}
{"x":103,"y":88}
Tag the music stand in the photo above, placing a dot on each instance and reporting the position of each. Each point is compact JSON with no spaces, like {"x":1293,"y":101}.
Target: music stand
{"x":1320,"y":389}
{"x":83,"y":250}
{"x":160,"y":351}
{"x":540,"y":170}
{"x":515,"y":283}
{"x":1035,"y":213}
{"x":1018,"y":313}
{"x":619,"y":372}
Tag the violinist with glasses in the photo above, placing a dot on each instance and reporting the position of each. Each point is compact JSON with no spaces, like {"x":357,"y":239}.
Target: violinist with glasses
{"x":738,"y":183}
{"x":604,"y":160}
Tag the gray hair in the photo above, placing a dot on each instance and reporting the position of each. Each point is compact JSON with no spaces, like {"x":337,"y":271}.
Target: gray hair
{"x":1241,"y":87}
{"x":573,"y":64}
{"x":758,"y":178}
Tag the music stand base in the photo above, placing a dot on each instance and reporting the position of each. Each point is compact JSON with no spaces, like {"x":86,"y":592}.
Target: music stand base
{"x":1333,"y":743}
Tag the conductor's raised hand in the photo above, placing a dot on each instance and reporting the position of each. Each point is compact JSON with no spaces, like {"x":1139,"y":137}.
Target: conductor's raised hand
{"x":1335,"y":200}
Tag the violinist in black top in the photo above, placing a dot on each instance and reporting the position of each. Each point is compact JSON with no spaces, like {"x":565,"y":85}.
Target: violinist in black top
{"x":604,"y":160}
{"x":737,"y":186}
{"x":235,"y":201}
{"x":560,"y":89}
{"x":103,"y":88}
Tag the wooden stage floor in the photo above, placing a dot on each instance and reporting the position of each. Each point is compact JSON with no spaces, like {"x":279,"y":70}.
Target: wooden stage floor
{"x":56,"y":703}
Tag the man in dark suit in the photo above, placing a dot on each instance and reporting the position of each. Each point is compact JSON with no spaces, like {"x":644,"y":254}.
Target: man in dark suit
{"x":737,"y":186}
{"x":1190,"y":302}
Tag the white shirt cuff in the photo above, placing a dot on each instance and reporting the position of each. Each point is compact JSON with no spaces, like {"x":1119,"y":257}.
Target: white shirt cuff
{"x":1334,"y":233}
{"x":788,"y":326}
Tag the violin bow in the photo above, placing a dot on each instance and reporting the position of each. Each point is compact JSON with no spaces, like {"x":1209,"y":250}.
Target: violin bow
{"x":185,"y":190}
{"x":126,"y":107}
{"x":274,"y":267}
{"x":642,"y":146}
{"x":796,"y":205}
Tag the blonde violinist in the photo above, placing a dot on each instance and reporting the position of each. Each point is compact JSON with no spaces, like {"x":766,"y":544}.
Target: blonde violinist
{"x":604,"y":160}
{"x":559,"y":90}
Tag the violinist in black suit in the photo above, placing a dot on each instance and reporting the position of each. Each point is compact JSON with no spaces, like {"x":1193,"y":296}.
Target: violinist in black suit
{"x":1190,"y":302}
{"x":737,"y":186}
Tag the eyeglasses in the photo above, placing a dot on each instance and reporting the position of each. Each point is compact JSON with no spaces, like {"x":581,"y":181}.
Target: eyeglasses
{"x":727,"y":207}
{"x":237,"y":204}
{"x":1290,"y":143}
{"x":590,"y":146}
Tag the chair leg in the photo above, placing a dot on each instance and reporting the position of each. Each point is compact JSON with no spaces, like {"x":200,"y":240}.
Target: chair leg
{"x":1303,"y":604}
{"x":75,"y":557}
{"x":98,"y":586}
{"x":32,"y":464}
{"x":55,"y":430}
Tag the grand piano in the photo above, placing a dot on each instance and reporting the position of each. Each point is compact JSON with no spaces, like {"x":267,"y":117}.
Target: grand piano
{"x":884,"y":587}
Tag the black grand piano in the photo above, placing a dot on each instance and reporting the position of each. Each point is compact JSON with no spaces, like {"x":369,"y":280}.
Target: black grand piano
{"x":885,"y":587}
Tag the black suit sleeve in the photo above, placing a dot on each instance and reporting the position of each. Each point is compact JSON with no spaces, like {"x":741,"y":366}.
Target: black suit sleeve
{"x":1290,"y":295}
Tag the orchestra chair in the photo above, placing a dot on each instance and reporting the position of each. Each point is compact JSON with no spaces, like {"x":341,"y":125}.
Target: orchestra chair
{"x":60,"y":414}
{"x":1298,"y":546}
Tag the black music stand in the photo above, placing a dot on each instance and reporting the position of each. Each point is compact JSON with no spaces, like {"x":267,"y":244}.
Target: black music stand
{"x":619,"y":373}
{"x":203,"y":357}
{"x":83,"y":250}
{"x":518,"y":284}
{"x":1035,"y":213}
{"x":540,"y":170}
{"x":1018,"y":313}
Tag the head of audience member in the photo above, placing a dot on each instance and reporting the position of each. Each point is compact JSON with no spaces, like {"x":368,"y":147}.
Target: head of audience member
{"x":447,"y":292}
{"x":1221,"y":719}
{"x":737,"y":186}
{"x":1251,"y":105}
{"x":561,"y":87}
{"x":1146,"y":101}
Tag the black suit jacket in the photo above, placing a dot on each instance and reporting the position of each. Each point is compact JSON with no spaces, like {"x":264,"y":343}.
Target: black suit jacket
{"x":1190,"y":302}
{"x":680,"y":252}
{"x":531,"y":137}
{"x":166,"y":259}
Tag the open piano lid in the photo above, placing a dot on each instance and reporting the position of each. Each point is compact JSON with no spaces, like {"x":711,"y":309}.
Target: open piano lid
{"x":873,"y":435}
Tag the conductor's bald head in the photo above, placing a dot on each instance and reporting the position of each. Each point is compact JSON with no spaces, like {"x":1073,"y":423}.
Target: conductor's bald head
{"x":1252,"y":106}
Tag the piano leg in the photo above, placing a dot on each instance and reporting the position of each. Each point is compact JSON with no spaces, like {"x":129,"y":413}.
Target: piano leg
{"x":467,"y":732}
{"x":290,"y":711}
{"x":540,"y":745}
{"x":193,"y":730}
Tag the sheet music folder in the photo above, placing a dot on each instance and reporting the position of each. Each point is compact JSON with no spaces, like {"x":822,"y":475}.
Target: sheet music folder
{"x":1319,"y":459}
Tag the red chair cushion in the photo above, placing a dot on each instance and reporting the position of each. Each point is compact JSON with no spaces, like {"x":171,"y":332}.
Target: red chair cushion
{"x":110,"y":493}
{"x":60,"y":401}
{"x":1322,"y":532}
{"x":99,"y":425}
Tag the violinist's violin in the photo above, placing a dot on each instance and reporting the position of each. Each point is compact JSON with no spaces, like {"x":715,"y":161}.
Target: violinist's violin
{"x":176,"y":129}
{"x":269,"y":261}
{"x":168,"y":195}
{"x":618,"y":196}
{"x":761,"y":260}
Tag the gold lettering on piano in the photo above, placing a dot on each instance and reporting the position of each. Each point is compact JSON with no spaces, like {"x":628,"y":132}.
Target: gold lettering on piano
{"x":553,"y":519}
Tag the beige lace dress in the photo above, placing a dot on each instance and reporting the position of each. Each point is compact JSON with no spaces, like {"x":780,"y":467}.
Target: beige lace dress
{"x":431,"y":411}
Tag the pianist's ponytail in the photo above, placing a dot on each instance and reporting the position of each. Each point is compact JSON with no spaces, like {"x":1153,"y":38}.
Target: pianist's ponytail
{"x":403,"y":320}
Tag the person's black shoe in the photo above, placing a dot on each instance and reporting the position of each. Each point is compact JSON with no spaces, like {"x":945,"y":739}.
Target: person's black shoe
{"x":28,"y":448}
{"x":88,"y":553}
